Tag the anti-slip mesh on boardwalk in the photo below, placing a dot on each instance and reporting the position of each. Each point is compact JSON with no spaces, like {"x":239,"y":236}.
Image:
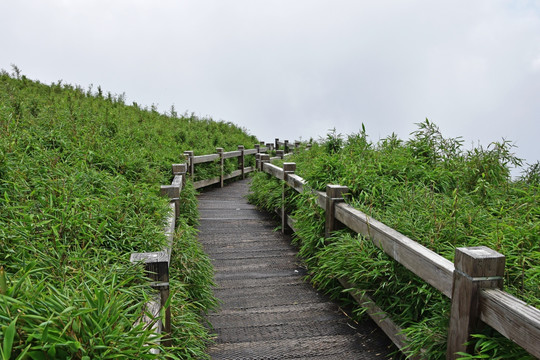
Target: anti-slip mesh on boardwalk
{"x":267,"y":311}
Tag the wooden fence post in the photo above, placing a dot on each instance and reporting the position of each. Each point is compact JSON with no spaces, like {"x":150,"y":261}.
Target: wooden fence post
{"x":156,"y":265}
{"x":296,"y":146}
{"x":475,"y":268}
{"x":173,"y":192}
{"x":241,"y":161}
{"x":265,"y":158}
{"x":334,"y":194}
{"x":189,"y":161}
{"x":180,"y":169}
{"x":288,"y":168}
{"x":280,"y":153}
{"x":270,"y":146}
{"x":286,"y":146}
{"x":221,"y":163}
{"x":276,"y":143}
{"x":258,"y":161}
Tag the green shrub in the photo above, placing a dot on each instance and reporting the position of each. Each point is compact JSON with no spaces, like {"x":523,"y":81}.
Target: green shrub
{"x":79,"y":192}
{"x":438,"y":194}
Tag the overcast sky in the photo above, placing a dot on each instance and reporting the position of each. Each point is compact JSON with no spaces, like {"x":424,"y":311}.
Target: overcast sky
{"x":297,"y":68}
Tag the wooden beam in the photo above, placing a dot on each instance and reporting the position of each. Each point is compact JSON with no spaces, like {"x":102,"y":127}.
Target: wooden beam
{"x":205,"y":158}
{"x":221,"y":165}
{"x":511,"y":317}
{"x":296,"y":182}
{"x":273,"y":170}
{"x":264,"y":159}
{"x":241,"y":161}
{"x":206,"y":182}
{"x":380,"y":317}
{"x":233,"y":174}
{"x":288,"y":169}
{"x":475,"y":268}
{"x":189,"y":161}
{"x":334,"y":195}
{"x":232,"y":154}
{"x":291,"y":223}
{"x":179,"y":170}
{"x":430,"y":266}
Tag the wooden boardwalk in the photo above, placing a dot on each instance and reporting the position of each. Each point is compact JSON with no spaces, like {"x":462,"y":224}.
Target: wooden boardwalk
{"x":267,"y":311}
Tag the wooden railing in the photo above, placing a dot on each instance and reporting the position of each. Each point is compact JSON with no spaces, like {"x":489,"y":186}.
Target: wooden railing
{"x":157,"y":263}
{"x":473,"y":282}
{"x":259,"y":151}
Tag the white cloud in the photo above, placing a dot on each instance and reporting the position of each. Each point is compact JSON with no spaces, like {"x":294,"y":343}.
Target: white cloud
{"x":535,"y":64}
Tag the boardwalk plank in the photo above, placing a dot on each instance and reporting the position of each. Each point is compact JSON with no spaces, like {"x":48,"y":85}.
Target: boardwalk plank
{"x":267,"y":311}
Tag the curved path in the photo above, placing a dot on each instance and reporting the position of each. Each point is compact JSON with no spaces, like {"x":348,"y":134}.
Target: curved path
{"x":267,"y":311}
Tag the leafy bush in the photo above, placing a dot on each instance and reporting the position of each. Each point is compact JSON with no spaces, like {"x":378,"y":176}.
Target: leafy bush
{"x":79,"y":191}
{"x":433,"y":191}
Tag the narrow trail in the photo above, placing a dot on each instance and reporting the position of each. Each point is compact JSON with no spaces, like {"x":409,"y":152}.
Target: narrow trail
{"x":267,"y":311}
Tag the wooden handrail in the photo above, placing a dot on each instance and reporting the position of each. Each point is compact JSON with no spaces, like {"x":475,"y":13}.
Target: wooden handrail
{"x":241,"y":153}
{"x":472,"y":289}
{"x":157,"y":263}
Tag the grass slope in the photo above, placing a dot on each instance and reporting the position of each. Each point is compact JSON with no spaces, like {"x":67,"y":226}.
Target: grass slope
{"x":79,"y":183}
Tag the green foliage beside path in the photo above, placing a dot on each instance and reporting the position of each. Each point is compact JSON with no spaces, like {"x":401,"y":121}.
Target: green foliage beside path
{"x":79,"y":191}
{"x":432,"y":190}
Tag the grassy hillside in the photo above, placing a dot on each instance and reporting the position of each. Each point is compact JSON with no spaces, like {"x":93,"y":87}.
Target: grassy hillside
{"x":79,"y":183}
{"x":433,"y":191}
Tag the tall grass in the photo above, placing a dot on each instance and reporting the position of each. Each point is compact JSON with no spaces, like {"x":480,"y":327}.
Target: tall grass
{"x":439,"y":194}
{"x":79,"y":191}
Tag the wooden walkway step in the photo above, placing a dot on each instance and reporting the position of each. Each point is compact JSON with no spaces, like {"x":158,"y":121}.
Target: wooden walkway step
{"x":267,"y":311}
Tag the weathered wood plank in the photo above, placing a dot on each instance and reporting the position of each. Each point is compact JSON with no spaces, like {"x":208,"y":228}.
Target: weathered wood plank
{"x":169,"y":227}
{"x":296,"y":182}
{"x":291,"y":223}
{"x":205,"y":158}
{"x":150,"y":257}
{"x":321,"y":198}
{"x":177,"y":181}
{"x":380,"y":317}
{"x":334,"y":196}
{"x":511,"y":317}
{"x":206,"y":182}
{"x":475,"y":268}
{"x":250,"y":151}
{"x":231,"y":154}
{"x":233,"y":174}
{"x":273,"y":170}
{"x":430,"y":266}
{"x":151,"y":313}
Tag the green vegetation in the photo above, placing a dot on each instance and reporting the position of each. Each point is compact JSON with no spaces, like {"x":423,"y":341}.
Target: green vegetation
{"x":79,"y":191}
{"x":438,"y":194}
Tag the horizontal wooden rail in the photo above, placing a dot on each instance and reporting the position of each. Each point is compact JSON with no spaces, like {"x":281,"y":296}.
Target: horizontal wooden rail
{"x":157,"y":263}
{"x":231,"y":154}
{"x":380,"y":317}
{"x":205,"y":158}
{"x":511,"y":317}
{"x":273,"y":170}
{"x":430,"y":266}
{"x":471,"y":282}
{"x":259,"y":150}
